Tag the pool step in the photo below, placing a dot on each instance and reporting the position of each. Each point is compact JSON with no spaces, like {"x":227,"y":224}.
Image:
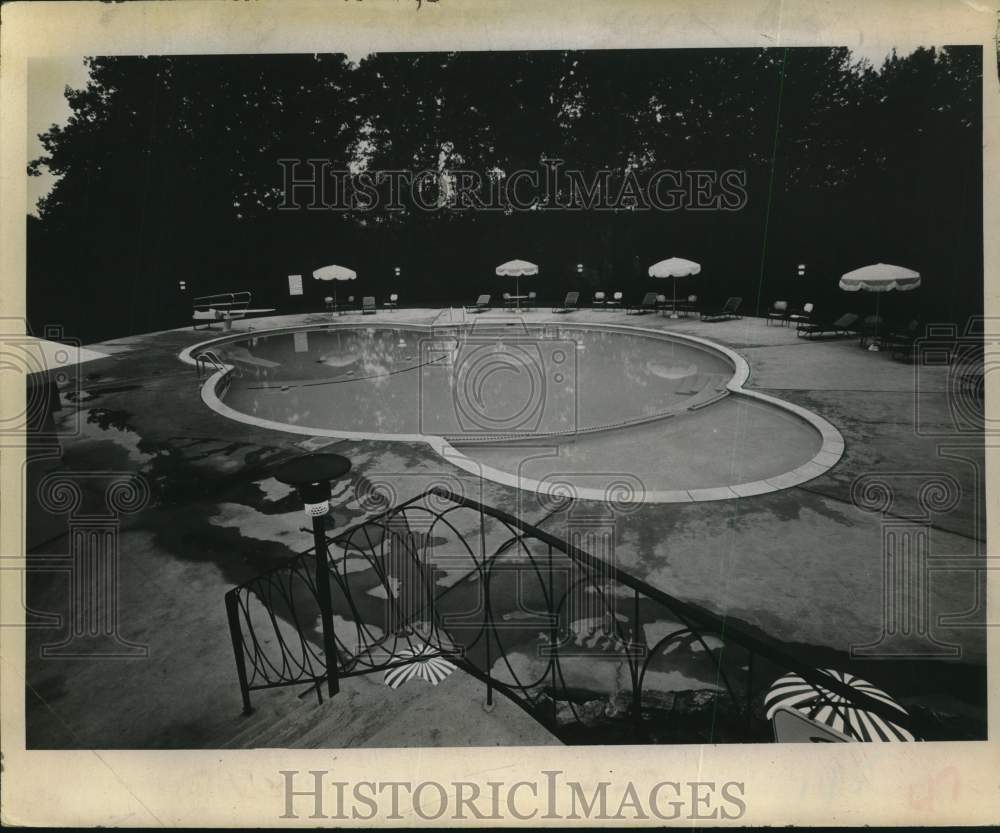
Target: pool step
{"x":703,"y":383}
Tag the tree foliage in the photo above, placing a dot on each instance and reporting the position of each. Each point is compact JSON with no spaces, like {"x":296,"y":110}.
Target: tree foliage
{"x":168,"y":169}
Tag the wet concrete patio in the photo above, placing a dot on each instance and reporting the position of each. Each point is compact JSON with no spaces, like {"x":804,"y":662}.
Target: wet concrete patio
{"x":804,"y":565}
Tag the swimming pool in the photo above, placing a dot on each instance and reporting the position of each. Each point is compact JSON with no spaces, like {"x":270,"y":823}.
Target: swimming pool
{"x":570,"y":409}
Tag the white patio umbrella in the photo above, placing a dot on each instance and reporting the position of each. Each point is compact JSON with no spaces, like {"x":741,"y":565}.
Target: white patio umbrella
{"x":517,"y":269}
{"x":674,"y":267}
{"x":879,"y":278}
{"x":821,"y":704}
{"x":335,"y":273}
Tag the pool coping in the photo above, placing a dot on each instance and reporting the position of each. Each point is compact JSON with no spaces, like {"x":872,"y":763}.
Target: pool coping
{"x":830,"y":452}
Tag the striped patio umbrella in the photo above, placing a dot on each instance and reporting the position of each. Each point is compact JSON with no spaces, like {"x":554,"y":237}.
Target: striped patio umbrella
{"x":674,"y":267}
{"x":517,"y":269}
{"x":335,"y":273}
{"x":824,"y":706}
{"x":424,"y":664}
{"x":879,"y":278}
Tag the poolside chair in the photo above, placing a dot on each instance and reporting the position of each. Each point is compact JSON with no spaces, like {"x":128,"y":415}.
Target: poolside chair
{"x":779,"y":313}
{"x":690,"y":305}
{"x":647,"y":304}
{"x":347,"y":306}
{"x":599,"y":302}
{"x":845,"y":325}
{"x":392,"y":303}
{"x":902,"y":340}
{"x":368,"y":305}
{"x":803,"y":315}
{"x":614,"y":302}
{"x":569,"y":303}
{"x":532,"y":300}
{"x":731,"y":309}
{"x":482,"y":304}
{"x":328,"y":303}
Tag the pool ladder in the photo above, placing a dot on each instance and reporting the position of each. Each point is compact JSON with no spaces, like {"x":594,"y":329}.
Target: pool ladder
{"x":208,"y":361}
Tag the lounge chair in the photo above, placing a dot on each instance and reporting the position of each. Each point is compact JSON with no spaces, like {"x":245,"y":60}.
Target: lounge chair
{"x":599,"y":302}
{"x":690,"y":305}
{"x":647,"y":304}
{"x":731,"y":309}
{"x":368,"y":305}
{"x":843,"y":326}
{"x":482,"y":304}
{"x":614,"y":302}
{"x":569,"y":304}
{"x":779,"y":313}
{"x":902,"y":340}
{"x":802,"y":316}
{"x":392,"y":303}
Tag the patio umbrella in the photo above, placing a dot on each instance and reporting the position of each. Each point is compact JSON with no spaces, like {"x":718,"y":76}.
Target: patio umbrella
{"x":517,"y":269}
{"x":879,"y":278}
{"x":335,"y":273}
{"x":674,"y":267}
{"x":425,"y":664}
{"x":822,"y":705}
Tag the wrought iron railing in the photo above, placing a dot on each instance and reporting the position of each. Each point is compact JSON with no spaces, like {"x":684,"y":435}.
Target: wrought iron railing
{"x":590,"y":651}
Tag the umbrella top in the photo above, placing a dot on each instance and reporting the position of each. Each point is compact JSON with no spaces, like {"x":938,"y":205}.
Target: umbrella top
{"x":335,"y":273}
{"x":312,"y":468}
{"x":517,"y":268}
{"x":674,"y":267}
{"x":880,"y":277}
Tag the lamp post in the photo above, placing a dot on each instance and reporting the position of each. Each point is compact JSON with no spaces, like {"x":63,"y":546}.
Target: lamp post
{"x":311,"y":476}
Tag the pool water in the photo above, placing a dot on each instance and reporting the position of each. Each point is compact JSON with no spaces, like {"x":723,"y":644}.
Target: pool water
{"x":527,"y":404}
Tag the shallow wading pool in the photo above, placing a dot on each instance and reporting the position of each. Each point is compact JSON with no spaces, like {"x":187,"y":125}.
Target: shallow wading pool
{"x":590,"y":411}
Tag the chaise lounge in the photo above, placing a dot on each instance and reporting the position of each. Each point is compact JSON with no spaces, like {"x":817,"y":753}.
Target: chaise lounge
{"x":569,"y":304}
{"x":731,"y":309}
{"x":844,"y":326}
{"x":482,"y":304}
{"x":647,"y":304}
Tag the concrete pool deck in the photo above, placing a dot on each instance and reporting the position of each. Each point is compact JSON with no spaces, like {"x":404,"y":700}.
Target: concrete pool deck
{"x":803,"y":564}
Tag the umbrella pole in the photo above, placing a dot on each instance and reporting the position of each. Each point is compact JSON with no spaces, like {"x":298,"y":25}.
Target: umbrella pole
{"x":673,"y":309}
{"x":874,"y":345}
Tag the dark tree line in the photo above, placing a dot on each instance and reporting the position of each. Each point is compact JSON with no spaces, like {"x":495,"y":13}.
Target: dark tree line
{"x":168,"y":170}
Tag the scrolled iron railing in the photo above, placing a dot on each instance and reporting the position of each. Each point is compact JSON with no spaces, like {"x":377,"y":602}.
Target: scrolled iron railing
{"x":590,"y":651}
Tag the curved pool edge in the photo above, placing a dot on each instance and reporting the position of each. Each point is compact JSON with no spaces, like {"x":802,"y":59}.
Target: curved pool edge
{"x":830,"y":452}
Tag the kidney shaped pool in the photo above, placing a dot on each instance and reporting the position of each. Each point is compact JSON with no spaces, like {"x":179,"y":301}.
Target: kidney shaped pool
{"x":594,"y":411}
